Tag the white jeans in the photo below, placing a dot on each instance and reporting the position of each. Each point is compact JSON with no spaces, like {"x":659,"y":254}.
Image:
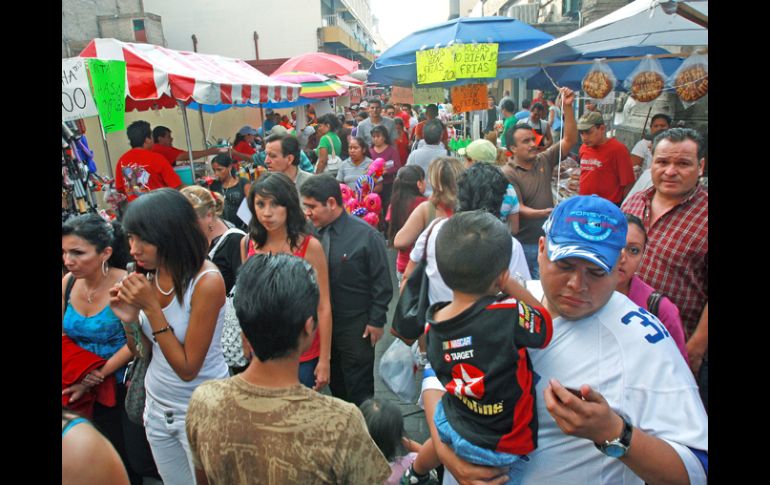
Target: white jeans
{"x":165,"y":428}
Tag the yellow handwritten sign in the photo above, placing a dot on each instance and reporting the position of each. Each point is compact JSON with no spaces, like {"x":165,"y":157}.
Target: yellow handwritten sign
{"x":435,"y":65}
{"x":470,"y":97}
{"x":428,"y":95}
{"x":475,"y":60}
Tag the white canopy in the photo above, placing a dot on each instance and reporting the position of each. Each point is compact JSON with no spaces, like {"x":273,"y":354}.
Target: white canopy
{"x":640,"y":23}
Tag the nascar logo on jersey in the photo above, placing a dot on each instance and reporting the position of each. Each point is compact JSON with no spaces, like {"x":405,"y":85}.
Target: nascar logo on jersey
{"x":456,"y":344}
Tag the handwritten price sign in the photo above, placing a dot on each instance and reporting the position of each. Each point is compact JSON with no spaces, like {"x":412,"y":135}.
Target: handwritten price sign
{"x":475,"y":60}
{"x":76,"y":99}
{"x":470,"y":97}
{"x":435,"y":65}
{"x":108,"y":80}
{"x":460,"y":61}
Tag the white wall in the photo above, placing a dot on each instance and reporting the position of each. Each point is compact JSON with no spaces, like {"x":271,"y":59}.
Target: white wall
{"x":286,"y":28}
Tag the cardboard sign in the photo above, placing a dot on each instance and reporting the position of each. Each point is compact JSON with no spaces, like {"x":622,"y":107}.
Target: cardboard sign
{"x":76,"y":99}
{"x":399,"y":95}
{"x":428,"y":95}
{"x":435,"y":65}
{"x":475,"y":60}
{"x":108,"y":82}
{"x":470,"y":97}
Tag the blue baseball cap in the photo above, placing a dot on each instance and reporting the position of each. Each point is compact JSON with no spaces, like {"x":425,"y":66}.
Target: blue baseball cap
{"x":587,"y":227}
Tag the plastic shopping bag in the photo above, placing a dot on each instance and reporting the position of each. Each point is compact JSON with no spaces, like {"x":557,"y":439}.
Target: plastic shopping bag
{"x":397,"y":370}
{"x":646,"y":82}
{"x":600,"y":80}
{"x":691,"y":80}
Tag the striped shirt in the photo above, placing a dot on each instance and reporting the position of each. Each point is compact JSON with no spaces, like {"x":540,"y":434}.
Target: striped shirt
{"x":676,"y":259}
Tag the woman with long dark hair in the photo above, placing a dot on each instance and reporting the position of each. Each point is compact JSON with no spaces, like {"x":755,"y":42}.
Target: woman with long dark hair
{"x":329,"y":144}
{"x":178,"y":297}
{"x":383,"y":147}
{"x":408,"y":191}
{"x":278,"y":226}
{"x":231,"y":186}
{"x":95,"y":255}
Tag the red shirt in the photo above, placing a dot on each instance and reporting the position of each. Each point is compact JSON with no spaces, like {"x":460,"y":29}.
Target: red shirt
{"x":169,"y":153}
{"x":404,"y":116}
{"x":161,"y":174}
{"x":402,"y":145}
{"x":418,"y":133}
{"x":676,"y":259}
{"x":244,"y":147}
{"x":605,"y":170}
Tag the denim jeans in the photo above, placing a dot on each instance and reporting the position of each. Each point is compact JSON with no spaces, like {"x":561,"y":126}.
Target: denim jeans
{"x":530,"y":254}
{"x":307,"y":372}
{"x":165,"y":428}
{"x":476,"y":454}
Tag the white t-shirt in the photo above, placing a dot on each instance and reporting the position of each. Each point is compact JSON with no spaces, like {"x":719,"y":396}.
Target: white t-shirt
{"x":640,"y":373}
{"x":626,"y":355}
{"x":437,"y":289}
{"x":642,"y":150}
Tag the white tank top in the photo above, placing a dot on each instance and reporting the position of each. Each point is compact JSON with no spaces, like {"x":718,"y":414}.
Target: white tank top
{"x":161,"y":382}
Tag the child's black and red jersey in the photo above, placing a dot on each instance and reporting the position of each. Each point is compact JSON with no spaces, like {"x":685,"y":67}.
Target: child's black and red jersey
{"x":480,"y":357}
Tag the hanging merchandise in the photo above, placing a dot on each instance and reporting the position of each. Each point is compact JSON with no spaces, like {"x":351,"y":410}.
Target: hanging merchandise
{"x":646,"y":82}
{"x":691,"y":80}
{"x":600,"y":80}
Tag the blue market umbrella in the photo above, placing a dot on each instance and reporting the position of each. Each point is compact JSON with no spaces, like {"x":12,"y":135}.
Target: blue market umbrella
{"x":398,"y":66}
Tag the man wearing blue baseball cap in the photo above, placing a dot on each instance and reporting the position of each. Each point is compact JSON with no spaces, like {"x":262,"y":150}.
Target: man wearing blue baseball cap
{"x":619,"y":404}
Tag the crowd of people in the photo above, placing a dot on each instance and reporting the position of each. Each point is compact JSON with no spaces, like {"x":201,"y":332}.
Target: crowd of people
{"x":572,"y":335}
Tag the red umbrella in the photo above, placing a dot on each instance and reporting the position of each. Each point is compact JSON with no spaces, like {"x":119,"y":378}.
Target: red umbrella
{"x":319,"y":62}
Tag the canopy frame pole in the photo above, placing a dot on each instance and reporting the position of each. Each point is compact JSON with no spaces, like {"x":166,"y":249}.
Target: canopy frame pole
{"x":613,"y":59}
{"x":181,"y":105}
{"x":203,"y":125}
{"x":106,"y":148}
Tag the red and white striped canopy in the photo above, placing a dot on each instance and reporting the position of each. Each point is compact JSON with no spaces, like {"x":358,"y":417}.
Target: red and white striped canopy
{"x":157,"y":77}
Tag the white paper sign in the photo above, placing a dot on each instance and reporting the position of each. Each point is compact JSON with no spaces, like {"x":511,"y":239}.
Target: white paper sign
{"x":76,"y":99}
{"x":321,"y":108}
{"x":243,"y":212}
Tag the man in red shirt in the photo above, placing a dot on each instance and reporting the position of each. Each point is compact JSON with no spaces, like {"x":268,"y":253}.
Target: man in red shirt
{"x":140,"y":169}
{"x":675,"y":214}
{"x":431,"y":112}
{"x":164,"y":145}
{"x":605,"y":164}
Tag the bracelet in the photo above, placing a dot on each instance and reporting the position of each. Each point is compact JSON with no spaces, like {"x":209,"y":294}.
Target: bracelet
{"x":164,"y":329}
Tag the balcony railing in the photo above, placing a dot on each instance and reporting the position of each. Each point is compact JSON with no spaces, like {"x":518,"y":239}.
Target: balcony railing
{"x":338,"y":21}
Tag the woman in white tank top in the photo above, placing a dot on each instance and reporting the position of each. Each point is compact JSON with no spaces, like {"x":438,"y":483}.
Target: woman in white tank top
{"x":178,"y":298}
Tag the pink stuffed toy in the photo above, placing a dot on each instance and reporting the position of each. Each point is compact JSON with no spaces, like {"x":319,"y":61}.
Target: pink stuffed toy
{"x":376,"y":168}
{"x":351,"y":205}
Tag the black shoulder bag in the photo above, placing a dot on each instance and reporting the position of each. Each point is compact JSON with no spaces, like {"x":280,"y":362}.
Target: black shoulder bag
{"x":409,"y":317}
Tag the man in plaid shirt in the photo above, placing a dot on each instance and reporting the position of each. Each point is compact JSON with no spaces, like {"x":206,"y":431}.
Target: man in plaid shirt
{"x":675,"y":214}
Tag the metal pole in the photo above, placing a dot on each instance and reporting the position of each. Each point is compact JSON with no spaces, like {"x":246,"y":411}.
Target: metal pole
{"x":106,"y":148}
{"x":187,"y":137}
{"x":203,"y":126}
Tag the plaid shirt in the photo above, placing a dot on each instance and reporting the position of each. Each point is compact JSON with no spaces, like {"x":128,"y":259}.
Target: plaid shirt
{"x":676,"y":260}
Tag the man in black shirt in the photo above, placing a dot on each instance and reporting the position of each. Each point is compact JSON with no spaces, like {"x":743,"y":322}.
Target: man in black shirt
{"x":359,"y":283}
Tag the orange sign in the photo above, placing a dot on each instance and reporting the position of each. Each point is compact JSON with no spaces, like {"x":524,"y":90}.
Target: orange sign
{"x":399,"y":95}
{"x":470,"y":97}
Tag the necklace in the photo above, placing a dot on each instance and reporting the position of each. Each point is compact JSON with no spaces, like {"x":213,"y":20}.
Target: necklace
{"x":90,"y":294}
{"x":157,"y":285}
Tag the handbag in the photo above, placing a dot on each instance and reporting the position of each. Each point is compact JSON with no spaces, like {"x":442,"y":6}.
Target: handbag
{"x":134,"y":379}
{"x":332,"y":161}
{"x":409,"y":317}
{"x":232,"y":346}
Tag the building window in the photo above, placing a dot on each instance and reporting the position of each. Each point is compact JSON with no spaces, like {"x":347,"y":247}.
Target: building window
{"x":570,"y":8}
{"x":140,"y":35}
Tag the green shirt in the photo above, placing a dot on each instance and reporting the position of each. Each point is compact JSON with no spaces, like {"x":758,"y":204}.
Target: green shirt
{"x":325,"y":143}
{"x":509,"y":123}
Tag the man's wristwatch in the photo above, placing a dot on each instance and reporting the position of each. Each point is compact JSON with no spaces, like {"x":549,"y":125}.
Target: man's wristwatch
{"x":618,"y":448}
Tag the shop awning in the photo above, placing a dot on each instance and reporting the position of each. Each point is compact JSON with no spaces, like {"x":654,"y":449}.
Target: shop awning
{"x":158,"y":77}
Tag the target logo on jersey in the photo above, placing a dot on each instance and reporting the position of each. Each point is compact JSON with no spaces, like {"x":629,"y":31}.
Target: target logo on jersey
{"x":467,"y":380}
